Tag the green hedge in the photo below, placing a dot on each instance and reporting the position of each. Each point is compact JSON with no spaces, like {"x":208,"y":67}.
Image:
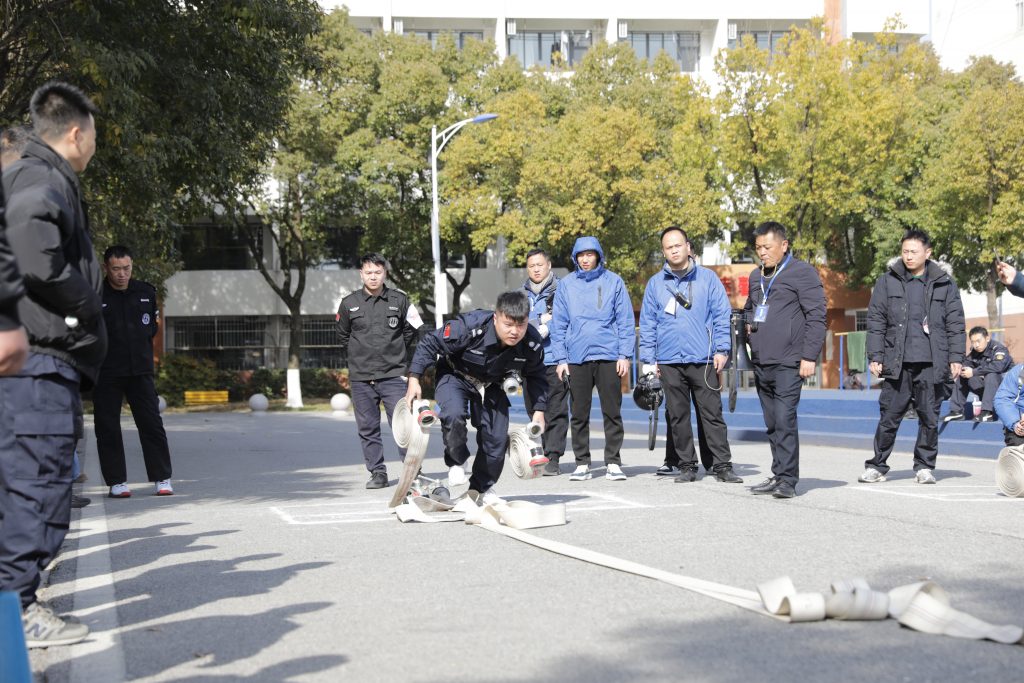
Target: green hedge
{"x":178,"y":373}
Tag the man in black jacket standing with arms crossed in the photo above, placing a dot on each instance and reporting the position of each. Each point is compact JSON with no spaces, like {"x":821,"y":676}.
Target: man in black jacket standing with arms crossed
{"x":48,"y":231}
{"x":131,"y":315}
{"x":916,"y":344}
{"x":785,"y":315}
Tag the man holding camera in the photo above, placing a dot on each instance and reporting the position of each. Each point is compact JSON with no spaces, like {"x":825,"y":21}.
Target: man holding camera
{"x":480,"y":356}
{"x":684,"y":339}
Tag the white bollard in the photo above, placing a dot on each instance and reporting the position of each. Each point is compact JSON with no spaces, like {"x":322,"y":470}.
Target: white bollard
{"x":258,"y":403}
{"x":161,"y":404}
{"x":340,"y":404}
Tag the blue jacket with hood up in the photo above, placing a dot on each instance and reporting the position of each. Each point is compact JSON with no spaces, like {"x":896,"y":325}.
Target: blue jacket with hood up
{"x":692,"y":335}
{"x":592,"y":315}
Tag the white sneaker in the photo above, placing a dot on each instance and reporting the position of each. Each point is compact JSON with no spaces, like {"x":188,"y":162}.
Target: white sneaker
{"x":925,"y":477}
{"x":163,"y":488}
{"x":456,"y":475}
{"x":120,"y":491}
{"x":871,"y":476}
{"x":615,"y":473}
{"x":581,"y":473}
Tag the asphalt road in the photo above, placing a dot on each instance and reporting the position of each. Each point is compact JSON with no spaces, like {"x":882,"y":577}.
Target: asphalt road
{"x":272,"y":562}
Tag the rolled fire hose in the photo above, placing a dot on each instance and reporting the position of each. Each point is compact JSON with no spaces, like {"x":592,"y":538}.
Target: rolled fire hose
{"x":1010,"y":471}
{"x":524,"y":454}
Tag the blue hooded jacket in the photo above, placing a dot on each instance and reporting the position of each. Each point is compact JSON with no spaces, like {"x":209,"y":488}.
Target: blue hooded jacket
{"x":691,"y":335}
{"x":539,"y":305}
{"x":593,"y":317}
{"x":1008,"y":401}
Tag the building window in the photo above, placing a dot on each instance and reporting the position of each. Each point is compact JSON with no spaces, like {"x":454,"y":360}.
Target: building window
{"x":683,"y":47}
{"x":320,"y":344}
{"x":765,"y":40}
{"x":213,"y":247}
{"x":232,"y":343}
{"x":460,"y":37}
{"x":861,"y":320}
{"x":549,"y":48}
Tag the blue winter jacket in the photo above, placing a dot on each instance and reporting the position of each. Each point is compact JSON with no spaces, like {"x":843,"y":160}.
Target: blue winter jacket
{"x":539,"y":305}
{"x":1009,"y":399}
{"x":691,"y":335}
{"x":593,"y":317}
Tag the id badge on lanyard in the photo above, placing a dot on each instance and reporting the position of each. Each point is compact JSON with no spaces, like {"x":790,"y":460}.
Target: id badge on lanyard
{"x":761,"y":310}
{"x":760,"y":313}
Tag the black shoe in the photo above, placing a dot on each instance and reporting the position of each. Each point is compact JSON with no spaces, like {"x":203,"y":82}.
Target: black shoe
{"x":726,"y":476}
{"x":952,"y":417}
{"x":784,"y":490}
{"x":552,"y":469}
{"x":79,"y":501}
{"x":378,"y":480}
{"x":766,"y":486}
{"x":686,"y":474}
{"x":986,"y":416}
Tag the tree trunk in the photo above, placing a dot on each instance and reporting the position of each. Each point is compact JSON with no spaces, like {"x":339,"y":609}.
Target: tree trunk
{"x":295,"y":356}
{"x":992,"y":299}
{"x":458,"y":287}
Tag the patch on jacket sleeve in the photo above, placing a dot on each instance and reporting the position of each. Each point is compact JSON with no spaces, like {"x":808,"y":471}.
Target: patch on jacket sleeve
{"x":448,"y":331}
{"x":1000,"y":355}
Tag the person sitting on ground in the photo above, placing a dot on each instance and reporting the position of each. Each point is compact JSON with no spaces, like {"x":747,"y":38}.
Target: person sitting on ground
{"x":982,"y":372}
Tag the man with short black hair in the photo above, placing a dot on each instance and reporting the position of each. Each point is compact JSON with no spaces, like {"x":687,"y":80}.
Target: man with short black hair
{"x":915,"y":344}
{"x":377,"y":327}
{"x":132,"y":316}
{"x":785,"y":317}
{"x":540,"y":286}
{"x":684,"y":339}
{"x":474,"y":354}
{"x":48,"y":231}
{"x":981,"y":373}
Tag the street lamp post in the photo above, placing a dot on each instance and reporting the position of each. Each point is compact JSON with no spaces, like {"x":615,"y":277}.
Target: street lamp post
{"x":437,"y":143}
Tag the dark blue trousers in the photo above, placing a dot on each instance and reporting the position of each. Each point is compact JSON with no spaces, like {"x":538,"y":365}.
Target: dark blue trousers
{"x":778,"y":387}
{"x":40,"y":421}
{"x":366,"y":400}
{"x":457,"y":401}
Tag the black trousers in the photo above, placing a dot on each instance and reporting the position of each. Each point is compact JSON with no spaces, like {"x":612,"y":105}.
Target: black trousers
{"x":916,"y":380}
{"x":985,"y":386}
{"x":680,"y":382}
{"x":778,"y":388}
{"x":366,"y":400}
{"x":556,"y":415}
{"x":671,"y":456}
{"x":40,"y":421}
{"x":458,"y":400}
{"x":582,"y":380}
{"x":108,"y":396}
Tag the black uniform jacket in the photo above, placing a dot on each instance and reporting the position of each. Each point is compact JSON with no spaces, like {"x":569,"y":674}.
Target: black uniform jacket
{"x":795,"y":327}
{"x":131,"y":316}
{"x":469,"y":346}
{"x":888,"y":316}
{"x":377,"y":332}
{"x":48,"y":231}
{"x":995,"y":358}
{"x":11,"y":288}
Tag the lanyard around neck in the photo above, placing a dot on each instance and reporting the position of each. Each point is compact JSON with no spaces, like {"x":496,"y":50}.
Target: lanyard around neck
{"x":771,"y":280}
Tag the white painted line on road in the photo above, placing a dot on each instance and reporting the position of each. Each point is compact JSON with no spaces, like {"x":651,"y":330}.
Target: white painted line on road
{"x":355,"y":512}
{"x":937,"y":494}
{"x":101,"y":656}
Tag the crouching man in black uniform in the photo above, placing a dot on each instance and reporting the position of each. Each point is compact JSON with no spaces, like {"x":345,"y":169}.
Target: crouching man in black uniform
{"x":131,"y":314}
{"x":981,"y":373}
{"x":474,"y":353}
